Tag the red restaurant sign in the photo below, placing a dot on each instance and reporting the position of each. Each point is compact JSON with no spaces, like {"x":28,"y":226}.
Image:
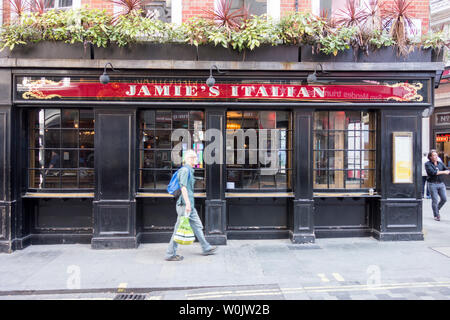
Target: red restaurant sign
{"x":45,"y":89}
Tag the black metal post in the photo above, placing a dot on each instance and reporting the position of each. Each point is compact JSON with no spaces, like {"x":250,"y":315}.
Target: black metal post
{"x":6,"y":201}
{"x":302,"y":220}
{"x":215,"y":204}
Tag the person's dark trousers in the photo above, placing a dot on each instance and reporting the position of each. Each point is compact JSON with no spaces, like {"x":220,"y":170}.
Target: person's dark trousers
{"x":437,"y":190}
{"x":424,"y":181}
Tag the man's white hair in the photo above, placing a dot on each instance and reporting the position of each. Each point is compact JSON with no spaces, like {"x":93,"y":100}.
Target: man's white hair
{"x":190,"y":153}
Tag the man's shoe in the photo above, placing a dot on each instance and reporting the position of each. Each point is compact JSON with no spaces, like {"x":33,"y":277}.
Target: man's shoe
{"x":210,"y":251}
{"x":438,"y":218}
{"x":175,"y":258}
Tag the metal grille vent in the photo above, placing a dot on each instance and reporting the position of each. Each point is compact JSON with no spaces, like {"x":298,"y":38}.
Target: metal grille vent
{"x":130,"y":297}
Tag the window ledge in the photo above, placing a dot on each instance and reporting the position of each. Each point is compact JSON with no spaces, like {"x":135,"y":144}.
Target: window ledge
{"x":259,"y":195}
{"x":345,"y":194}
{"x":165,"y":195}
{"x":57,"y":195}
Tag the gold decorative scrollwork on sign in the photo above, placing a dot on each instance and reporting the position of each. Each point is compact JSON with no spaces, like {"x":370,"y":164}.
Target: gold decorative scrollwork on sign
{"x":411,"y":89}
{"x":39,"y":95}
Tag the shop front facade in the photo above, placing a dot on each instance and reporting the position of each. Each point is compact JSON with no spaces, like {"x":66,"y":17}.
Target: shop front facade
{"x":280,"y":156}
{"x":440,"y":122}
{"x":441,"y":135}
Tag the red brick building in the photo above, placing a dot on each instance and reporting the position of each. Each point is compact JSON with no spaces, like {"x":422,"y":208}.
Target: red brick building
{"x":180,"y":10}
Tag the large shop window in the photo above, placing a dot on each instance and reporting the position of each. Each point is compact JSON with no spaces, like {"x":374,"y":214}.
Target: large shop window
{"x":259,"y":150}
{"x":155,"y":149}
{"x":344,"y":150}
{"x":61,"y":149}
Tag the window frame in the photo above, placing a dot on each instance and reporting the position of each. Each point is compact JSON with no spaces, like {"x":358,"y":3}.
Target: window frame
{"x":273,"y":8}
{"x":289,"y":150}
{"x":344,"y":166}
{"x":141,"y":169}
{"x":42,"y":169}
{"x":57,"y":5}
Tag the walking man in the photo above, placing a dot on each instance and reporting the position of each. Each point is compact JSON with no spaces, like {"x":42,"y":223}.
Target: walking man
{"x":185,"y":206}
{"x":435,"y":169}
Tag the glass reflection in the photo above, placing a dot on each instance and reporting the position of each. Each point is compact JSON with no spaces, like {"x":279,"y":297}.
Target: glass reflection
{"x":52,"y":118}
{"x":258,"y":150}
{"x":69,"y":139}
{"x":70,"y":119}
{"x":52,"y":138}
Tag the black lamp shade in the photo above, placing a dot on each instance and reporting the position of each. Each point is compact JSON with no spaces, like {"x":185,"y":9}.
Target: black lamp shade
{"x":210,"y":81}
{"x":311,"y":78}
{"x":104,"y":78}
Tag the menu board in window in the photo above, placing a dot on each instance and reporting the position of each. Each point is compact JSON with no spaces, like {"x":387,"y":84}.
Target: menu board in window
{"x":402,"y":157}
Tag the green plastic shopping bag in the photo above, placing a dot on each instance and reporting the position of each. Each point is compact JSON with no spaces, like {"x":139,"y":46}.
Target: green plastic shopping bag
{"x":184,"y":234}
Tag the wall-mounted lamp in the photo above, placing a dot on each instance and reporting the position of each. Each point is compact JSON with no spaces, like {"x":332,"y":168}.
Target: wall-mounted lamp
{"x":312,"y":78}
{"x":104,"y":78}
{"x":211,"y":81}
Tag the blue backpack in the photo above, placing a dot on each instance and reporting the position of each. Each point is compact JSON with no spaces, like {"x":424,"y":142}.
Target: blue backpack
{"x":174,"y":185}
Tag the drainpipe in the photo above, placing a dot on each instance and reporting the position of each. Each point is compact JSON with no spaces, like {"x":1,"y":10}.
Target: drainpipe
{"x":296,"y":5}
{"x":429,"y":111}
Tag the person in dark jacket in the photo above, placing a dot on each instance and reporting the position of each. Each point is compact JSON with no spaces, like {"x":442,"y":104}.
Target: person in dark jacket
{"x":435,"y":169}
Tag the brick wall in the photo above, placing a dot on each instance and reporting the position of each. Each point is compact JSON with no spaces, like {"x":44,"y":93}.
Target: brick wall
{"x":193,"y":8}
{"x":6,"y":11}
{"x":98,"y":4}
{"x":289,"y":6}
{"x":419,"y":8}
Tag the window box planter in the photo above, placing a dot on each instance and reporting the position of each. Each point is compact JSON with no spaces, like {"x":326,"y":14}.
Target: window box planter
{"x":147,"y":51}
{"x":48,"y":50}
{"x":218,"y":53}
{"x":437,"y":57}
{"x":281,"y":53}
{"x":389,"y":54}
{"x":263,"y":53}
{"x":343,"y":56}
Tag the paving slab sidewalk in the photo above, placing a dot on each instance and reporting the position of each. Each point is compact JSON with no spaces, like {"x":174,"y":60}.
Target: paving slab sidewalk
{"x":306,"y":271}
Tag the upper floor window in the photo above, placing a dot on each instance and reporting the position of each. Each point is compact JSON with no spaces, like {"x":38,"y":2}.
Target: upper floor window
{"x":254,"y":7}
{"x":161,"y":10}
{"x":61,"y":149}
{"x":1,"y":12}
{"x":336,"y":8}
{"x":58,"y":4}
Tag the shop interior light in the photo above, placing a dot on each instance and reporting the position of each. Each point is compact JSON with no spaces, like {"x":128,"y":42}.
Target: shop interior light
{"x":104,"y":78}
{"x":211,"y":81}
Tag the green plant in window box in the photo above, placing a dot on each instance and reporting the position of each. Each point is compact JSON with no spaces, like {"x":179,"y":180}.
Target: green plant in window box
{"x":16,"y":34}
{"x":337,"y":40}
{"x":379,"y":39}
{"x":438,"y":41}
{"x":300,"y":28}
{"x":199,"y":31}
{"x":69,"y":26}
{"x":254,"y":32}
{"x":135,"y":28}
